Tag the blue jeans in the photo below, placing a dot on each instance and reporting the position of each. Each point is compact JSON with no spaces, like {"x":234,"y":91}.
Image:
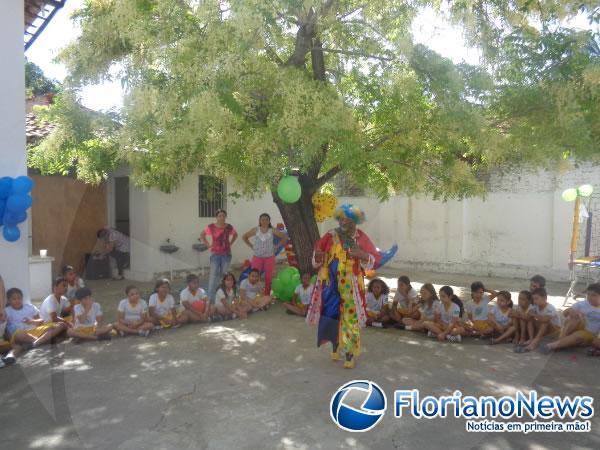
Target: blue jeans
{"x":219,"y":264}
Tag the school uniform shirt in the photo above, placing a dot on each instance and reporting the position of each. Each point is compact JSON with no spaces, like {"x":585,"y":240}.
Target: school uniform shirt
{"x":50,"y":305}
{"x":15,"y":317}
{"x":403,"y":300}
{"x":187,"y":296}
{"x":252,"y":290}
{"x":479,"y":311}
{"x":72,"y":289}
{"x":376,"y":304}
{"x":501,"y":317}
{"x":428,"y":312}
{"x":133,"y":313}
{"x":220,"y":296}
{"x":162,"y":308}
{"x":90,"y":318}
{"x":447,"y":315}
{"x":591,"y":314}
{"x":549,"y":310}
{"x":304,"y":294}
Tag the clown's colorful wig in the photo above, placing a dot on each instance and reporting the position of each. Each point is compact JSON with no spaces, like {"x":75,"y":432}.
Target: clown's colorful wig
{"x":350,"y":212}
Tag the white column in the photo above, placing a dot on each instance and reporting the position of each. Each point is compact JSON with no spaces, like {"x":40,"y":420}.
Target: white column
{"x":14,"y":256}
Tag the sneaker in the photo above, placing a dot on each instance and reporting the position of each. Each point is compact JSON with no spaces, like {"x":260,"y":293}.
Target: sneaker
{"x":593,"y":351}
{"x":377,"y":324}
{"x":2,"y":364}
{"x":234,"y":316}
{"x":545,"y":349}
{"x":9,"y":360}
{"x":408,"y":328}
{"x":157,"y":327}
{"x":144,"y":333}
{"x":451,"y":338}
{"x":121,"y":333}
{"x":430,"y":334}
{"x":104,"y":337}
{"x":399,"y":326}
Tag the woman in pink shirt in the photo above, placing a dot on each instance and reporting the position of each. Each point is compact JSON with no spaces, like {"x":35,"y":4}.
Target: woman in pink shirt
{"x":223,"y":236}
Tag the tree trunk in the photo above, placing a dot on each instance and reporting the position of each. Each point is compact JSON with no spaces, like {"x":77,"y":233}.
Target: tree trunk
{"x":300,"y":222}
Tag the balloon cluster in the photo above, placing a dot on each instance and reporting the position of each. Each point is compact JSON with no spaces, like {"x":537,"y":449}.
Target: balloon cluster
{"x":14,"y":203}
{"x":324,"y":206}
{"x":289,"y":189}
{"x":286,"y":283}
{"x":585,"y":190}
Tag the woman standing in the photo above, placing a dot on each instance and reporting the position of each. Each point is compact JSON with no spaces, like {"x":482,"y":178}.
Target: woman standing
{"x":338,"y":303}
{"x":223,"y":236}
{"x":264,"y":247}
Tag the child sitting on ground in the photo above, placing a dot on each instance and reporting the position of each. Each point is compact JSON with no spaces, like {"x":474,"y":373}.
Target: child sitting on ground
{"x":477,"y":310}
{"x":427,"y":304}
{"x":194,"y":302}
{"x":520,"y":318}
{"x":543,"y":320}
{"x":227,"y":301}
{"x":73,"y":280}
{"x":133,"y":314}
{"x":582,"y":324}
{"x":56,"y":307}
{"x":377,"y":299}
{"x":162,"y":305}
{"x":301,"y":298}
{"x":500,"y":318}
{"x":446,"y":324}
{"x":87,"y":319}
{"x":252,"y":292}
{"x":404,"y":301}
{"x":24,"y":325}
{"x":536,"y":282}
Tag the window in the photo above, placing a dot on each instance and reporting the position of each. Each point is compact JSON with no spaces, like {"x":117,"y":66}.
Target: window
{"x":345,"y":187}
{"x":211,"y":195}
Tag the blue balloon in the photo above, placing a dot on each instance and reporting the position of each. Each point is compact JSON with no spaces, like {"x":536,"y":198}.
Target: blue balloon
{"x":11,"y":234}
{"x":2,"y":208}
{"x":18,"y":203}
{"x":14,"y":218}
{"x":22,"y":185}
{"x":5,"y":187}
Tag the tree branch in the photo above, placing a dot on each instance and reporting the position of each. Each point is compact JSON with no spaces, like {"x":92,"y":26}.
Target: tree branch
{"x":318,"y":60}
{"x":328,"y":176}
{"x":359,"y":54}
{"x":273,"y":55}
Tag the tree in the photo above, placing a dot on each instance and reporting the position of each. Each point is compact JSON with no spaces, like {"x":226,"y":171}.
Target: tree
{"x":36,"y":83}
{"x":255,"y":89}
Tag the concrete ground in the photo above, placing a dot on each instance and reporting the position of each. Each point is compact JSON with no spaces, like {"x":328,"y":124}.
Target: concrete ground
{"x":262,"y":383}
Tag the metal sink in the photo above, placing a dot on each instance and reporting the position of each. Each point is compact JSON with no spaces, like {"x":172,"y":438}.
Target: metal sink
{"x":200,"y":247}
{"x":168,"y":248}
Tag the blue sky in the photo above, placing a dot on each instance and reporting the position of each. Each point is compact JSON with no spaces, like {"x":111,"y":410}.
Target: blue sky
{"x":428,"y":29}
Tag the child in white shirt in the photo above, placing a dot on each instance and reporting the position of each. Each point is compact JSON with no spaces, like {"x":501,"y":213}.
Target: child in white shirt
{"x":162,"y":305}
{"x":543,"y":320}
{"x":87,"y":319}
{"x":195,"y":306}
{"x":377,"y":299}
{"x":252,"y":292}
{"x":301,"y":298}
{"x":133,"y":314}
{"x":56,"y":307}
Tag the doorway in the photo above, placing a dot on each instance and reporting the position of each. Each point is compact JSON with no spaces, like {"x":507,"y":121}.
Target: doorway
{"x":122,"y":204}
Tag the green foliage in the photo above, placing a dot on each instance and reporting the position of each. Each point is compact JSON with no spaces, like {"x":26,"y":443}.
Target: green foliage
{"x":251,"y":89}
{"x":36,"y":83}
{"x":82,"y":140}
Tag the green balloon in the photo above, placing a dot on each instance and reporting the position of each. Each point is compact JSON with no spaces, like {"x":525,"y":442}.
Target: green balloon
{"x":569,"y":195}
{"x":289,"y":189}
{"x":585,"y":190}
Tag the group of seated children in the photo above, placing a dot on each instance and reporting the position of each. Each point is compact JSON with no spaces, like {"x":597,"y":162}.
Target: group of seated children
{"x":443,"y":315}
{"x":71,"y":310}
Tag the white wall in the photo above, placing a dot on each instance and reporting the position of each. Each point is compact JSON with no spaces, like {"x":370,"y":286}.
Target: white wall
{"x":521,"y":228}
{"x":14,"y":257}
{"x":156,"y":217}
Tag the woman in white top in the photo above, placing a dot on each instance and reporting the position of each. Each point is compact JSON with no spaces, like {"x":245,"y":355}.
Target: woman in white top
{"x":264,"y":248}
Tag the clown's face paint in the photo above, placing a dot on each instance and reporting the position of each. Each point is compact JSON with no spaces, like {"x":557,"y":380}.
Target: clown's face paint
{"x":347,"y":225}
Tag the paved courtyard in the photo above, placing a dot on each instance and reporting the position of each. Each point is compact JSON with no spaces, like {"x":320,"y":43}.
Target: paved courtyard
{"x":261,"y":383}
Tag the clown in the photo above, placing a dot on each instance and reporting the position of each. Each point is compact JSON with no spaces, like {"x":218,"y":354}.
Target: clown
{"x":338,"y":303}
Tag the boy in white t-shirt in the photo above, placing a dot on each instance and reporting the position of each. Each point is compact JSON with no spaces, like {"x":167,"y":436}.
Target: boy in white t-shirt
{"x":404,"y":304}
{"x":162,"y":306}
{"x":73,"y":280}
{"x":195,"y":306}
{"x":87,"y":319}
{"x":543,"y":320}
{"x":24,"y":325}
{"x":252,"y":292}
{"x":301,"y":298}
{"x":582,"y":322}
{"x":477,"y":310}
{"x":133,"y":314}
{"x":56,"y":307}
